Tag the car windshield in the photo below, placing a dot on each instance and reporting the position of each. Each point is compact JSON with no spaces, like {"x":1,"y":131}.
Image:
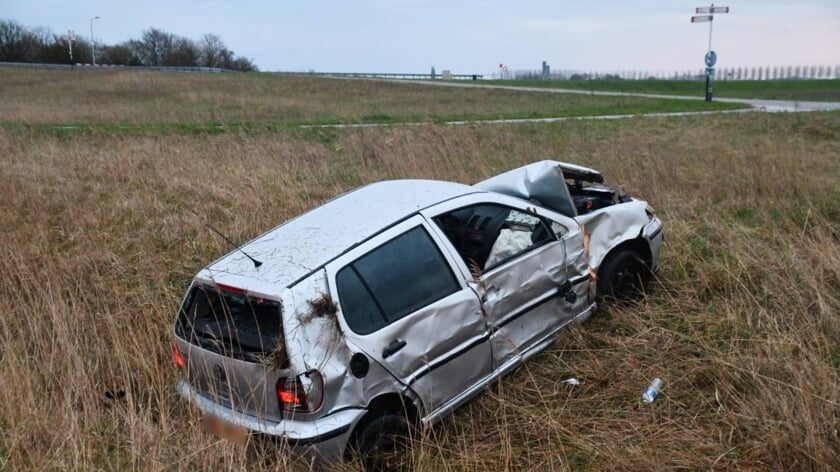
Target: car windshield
{"x":230,"y":323}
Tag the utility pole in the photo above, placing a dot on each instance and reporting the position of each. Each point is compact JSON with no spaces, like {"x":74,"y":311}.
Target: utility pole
{"x":92,"y":42}
{"x":708,"y":16}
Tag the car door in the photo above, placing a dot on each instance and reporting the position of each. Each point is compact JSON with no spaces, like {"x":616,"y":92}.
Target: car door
{"x":524,"y":266}
{"x":402,"y":304}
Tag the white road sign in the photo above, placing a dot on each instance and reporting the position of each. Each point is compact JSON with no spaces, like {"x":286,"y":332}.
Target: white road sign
{"x":711,"y":10}
{"x":701,"y":18}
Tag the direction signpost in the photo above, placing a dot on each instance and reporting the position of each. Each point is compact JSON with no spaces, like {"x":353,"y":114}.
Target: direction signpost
{"x":707,"y":15}
{"x":70,"y":37}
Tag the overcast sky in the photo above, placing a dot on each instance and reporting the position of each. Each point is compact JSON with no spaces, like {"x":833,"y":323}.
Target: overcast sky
{"x":466,"y":36}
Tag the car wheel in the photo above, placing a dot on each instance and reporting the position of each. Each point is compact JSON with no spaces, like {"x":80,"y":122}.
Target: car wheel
{"x":382,"y":443}
{"x":622,"y":276}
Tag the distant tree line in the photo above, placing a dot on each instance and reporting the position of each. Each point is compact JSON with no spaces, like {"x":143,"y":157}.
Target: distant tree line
{"x":154,"y":48}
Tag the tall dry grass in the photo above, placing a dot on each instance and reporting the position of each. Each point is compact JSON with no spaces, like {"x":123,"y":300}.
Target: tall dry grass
{"x":99,"y":240}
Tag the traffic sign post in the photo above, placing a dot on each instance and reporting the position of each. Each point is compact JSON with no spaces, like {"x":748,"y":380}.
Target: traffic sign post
{"x":710,"y":71}
{"x":707,"y":15}
{"x":70,"y":37}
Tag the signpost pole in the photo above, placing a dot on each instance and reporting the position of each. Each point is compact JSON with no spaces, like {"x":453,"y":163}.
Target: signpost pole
{"x":708,"y":15}
{"x":711,"y":23}
{"x":708,"y":86}
{"x":70,"y":37}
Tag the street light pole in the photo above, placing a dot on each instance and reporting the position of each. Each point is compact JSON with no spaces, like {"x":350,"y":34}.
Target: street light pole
{"x":92,"y":41}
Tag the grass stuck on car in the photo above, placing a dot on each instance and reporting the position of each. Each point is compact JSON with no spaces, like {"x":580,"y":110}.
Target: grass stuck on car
{"x":341,"y":330}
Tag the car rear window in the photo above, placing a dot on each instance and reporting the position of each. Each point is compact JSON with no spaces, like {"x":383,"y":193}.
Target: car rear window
{"x":230,"y":323}
{"x":393,"y":280}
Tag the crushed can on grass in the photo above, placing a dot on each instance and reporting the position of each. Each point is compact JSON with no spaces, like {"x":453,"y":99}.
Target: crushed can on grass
{"x":652,"y":391}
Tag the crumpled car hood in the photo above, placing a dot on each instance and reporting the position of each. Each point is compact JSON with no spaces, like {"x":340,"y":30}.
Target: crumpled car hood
{"x":542,"y":181}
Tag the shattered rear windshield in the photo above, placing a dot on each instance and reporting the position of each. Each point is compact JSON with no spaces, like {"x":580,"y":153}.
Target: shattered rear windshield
{"x":231,"y":324}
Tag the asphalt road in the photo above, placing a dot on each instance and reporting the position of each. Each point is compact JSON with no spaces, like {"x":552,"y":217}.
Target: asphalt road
{"x":763,"y":105}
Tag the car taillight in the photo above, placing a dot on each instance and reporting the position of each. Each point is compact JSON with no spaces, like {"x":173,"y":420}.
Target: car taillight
{"x":304,"y":393}
{"x":179,"y":359}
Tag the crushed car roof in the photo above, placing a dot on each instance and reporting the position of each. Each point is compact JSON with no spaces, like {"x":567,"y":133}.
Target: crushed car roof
{"x":307,"y":242}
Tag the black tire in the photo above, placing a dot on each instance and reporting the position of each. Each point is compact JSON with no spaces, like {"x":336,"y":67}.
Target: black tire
{"x":382,"y":443}
{"x":623,"y":276}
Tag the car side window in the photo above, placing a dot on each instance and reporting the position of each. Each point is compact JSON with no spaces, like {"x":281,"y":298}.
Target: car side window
{"x":393,"y":280}
{"x":488,"y":234}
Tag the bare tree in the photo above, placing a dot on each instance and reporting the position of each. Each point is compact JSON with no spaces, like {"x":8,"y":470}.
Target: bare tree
{"x":211,"y":47}
{"x":16,"y":43}
{"x":243,"y":64}
{"x":183,"y":52}
{"x":226,"y":58}
{"x":153,"y":46}
{"x":122,"y":54}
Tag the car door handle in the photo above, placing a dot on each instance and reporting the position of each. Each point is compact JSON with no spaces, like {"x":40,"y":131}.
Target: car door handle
{"x":392,"y":348}
{"x":564,"y":288}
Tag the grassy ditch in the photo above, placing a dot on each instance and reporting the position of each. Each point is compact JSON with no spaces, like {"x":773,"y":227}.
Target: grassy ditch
{"x":100,"y":237}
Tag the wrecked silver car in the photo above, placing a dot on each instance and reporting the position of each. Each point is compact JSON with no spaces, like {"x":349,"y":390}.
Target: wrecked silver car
{"x":393,"y":304}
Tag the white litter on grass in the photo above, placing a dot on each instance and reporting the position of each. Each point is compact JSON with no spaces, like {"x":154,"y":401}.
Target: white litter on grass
{"x":571,"y":381}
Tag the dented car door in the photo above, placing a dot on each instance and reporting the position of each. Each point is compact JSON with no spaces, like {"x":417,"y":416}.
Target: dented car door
{"x":526,"y":269}
{"x":402,"y":304}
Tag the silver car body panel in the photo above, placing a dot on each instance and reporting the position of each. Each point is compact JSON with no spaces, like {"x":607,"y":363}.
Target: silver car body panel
{"x":240,"y":385}
{"x":544,"y":182}
{"x":541,"y":181}
{"x":521,"y":297}
{"x":502,"y":370}
{"x":446,"y":342}
{"x":611,"y":226}
{"x":455,"y":347}
{"x":321,"y":438}
{"x":295,"y":248}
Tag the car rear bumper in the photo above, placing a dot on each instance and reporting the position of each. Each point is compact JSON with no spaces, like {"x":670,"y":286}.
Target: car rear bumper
{"x":321,"y":439}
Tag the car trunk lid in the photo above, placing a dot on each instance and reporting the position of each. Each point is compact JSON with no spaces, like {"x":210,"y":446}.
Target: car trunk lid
{"x":233,"y":347}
